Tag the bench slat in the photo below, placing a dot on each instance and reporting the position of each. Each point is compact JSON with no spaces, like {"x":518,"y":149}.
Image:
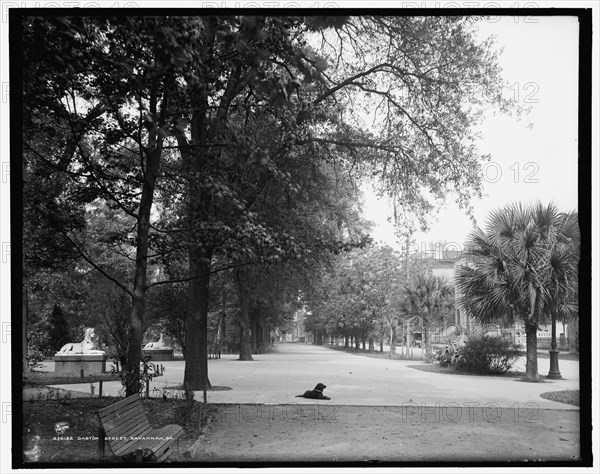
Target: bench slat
{"x":124,"y":446}
{"x":138,"y":423}
{"x":128,"y":433}
{"x":121,"y":418}
{"x":170,"y":433}
{"x":118,"y":405}
{"x":122,"y":412}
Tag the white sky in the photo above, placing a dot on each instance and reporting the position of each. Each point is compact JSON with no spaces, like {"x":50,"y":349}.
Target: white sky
{"x":540,"y":61}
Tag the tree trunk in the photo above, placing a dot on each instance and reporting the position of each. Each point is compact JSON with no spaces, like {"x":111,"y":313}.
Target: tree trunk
{"x":573,"y":335}
{"x":371,"y":344}
{"x":245,"y":336}
{"x":138,"y":299}
{"x":134,"y":353}
{"x":408,"y":342}
{"x":531,"y":368}
{"x":253,"y":331}
{"x":345,"y":342}
{"x":428,"y":352}
{"x":392,"y":342}
{"x":381,"y":344}
{"x":260,"y":337}
{"x":196,"y":336}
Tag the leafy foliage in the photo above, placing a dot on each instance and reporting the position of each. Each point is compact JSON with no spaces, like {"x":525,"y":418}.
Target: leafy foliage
{"x":430,"y":299}
{"x":147,"y":371}
{"x":58,"y":329}
{"x":359,"y":295}
{"x":37,"y":347}
{"x":488,"y":355}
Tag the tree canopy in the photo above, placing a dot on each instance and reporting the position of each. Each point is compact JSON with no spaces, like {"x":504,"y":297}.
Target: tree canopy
{"x":208,"y":143}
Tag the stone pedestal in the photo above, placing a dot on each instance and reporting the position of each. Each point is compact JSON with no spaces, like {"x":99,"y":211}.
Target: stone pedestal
{"x":158,"y":355}
{"x":71,"y":364}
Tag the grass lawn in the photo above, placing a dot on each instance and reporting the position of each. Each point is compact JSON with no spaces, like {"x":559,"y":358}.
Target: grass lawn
{"x":37,"y":378}
{"x":438,"y":369}
{"x":563,"y":396}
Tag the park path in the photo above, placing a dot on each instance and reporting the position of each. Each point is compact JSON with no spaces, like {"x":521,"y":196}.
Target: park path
{"x":289,"y":369}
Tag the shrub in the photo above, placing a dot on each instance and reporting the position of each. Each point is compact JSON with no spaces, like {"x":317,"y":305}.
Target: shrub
{"x":147,"y":372}
{"x":488,"y":355}
{"x":37,"y":347}
{"x":58,"y":329}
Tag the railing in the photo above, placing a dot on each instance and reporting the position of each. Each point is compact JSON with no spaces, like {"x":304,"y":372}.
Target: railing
{"x":544,"y":342}
{"x":444,"y":336}
{"x":450,"y":334}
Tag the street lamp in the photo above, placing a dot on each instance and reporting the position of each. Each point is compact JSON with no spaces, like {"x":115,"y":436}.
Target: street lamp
{"x":554,"y":372}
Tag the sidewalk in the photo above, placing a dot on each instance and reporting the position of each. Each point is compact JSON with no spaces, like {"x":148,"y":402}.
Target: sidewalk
{"x":290,"y":369}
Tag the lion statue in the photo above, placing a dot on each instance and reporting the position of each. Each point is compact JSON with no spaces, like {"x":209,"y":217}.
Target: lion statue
{"x":87,"y":346}
{"x":160,"y":344}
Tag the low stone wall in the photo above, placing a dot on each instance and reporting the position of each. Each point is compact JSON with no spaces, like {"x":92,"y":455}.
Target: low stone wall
{"x":158,"y":354}
{"x":73,"y":364}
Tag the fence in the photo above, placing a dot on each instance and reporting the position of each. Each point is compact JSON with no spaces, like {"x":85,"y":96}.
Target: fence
{"x":543,"y":342}
{"x":562,"y":343}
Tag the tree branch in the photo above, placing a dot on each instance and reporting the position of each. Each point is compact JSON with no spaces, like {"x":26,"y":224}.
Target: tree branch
{"x":183,"y":280}
{"x":96,"y":266}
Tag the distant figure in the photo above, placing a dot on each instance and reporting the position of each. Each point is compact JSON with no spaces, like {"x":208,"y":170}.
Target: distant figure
{"x":160,"y":344}
{"x":87,"y":346}
{"x":562,"y":340}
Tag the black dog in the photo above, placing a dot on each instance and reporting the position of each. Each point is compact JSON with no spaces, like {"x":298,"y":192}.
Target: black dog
{"x":317,"y":393}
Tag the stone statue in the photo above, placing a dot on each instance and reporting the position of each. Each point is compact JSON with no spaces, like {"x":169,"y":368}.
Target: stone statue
{"x":87,"y":346}
{"x":160,"y":344}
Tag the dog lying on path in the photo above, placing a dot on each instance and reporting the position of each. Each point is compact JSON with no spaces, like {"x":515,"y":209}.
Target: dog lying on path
{"x":317,"y":393}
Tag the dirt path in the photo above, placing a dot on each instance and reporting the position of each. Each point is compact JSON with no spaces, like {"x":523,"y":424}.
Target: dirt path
{"x":330,"y":433}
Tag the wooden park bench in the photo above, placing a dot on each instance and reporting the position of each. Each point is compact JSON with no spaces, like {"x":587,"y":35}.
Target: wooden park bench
{"x":126,"y":428}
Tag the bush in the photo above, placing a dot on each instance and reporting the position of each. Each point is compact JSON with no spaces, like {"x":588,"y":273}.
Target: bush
{"x":147,"y":372}
{"x":58,"y":329}
{"x":488,"y":355}
{"x":37,"y":347}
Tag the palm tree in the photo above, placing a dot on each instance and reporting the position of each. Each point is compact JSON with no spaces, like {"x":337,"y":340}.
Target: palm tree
{"x":518,"y":268}
{"x":562,"y":295}
{"x":429,"y":298}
